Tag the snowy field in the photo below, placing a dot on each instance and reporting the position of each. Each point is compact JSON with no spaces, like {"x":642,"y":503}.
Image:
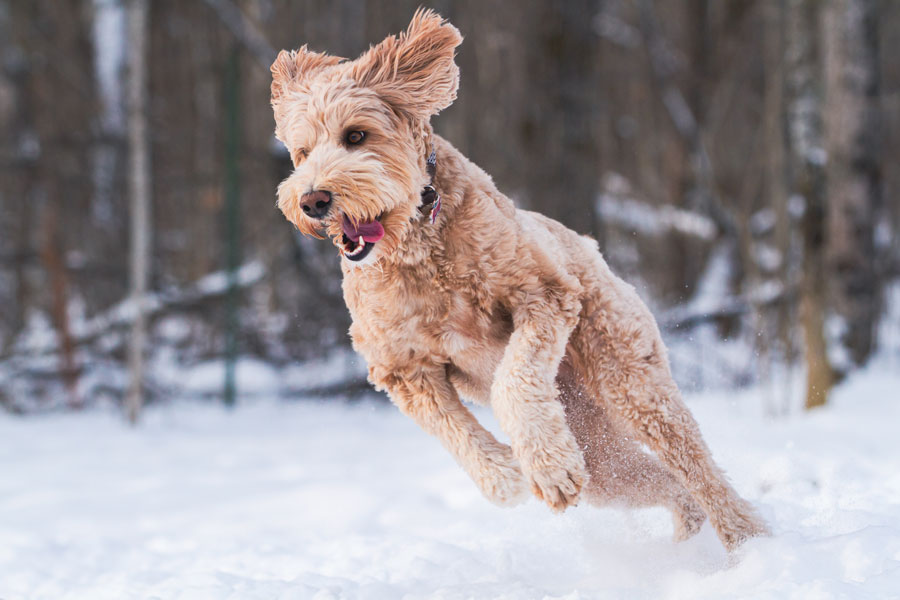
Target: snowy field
{"x":325,"y":500}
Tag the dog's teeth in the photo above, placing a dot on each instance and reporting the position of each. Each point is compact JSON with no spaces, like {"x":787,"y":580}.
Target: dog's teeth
{"x":359,"y":248}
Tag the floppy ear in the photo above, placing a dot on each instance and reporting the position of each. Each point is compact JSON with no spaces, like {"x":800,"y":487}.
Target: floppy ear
{"x":292,"y":65}
{"x":414,"y":72}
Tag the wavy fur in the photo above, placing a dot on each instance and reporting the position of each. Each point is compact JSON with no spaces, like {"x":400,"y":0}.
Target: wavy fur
{"x":505,"y":307}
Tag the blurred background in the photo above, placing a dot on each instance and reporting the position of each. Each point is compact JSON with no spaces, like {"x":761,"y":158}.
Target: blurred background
{"x":735,"y":159}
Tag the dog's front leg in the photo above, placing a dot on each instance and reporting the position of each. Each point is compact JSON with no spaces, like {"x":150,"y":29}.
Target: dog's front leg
{"x":430,"y":400}
{"x":525,"y":400}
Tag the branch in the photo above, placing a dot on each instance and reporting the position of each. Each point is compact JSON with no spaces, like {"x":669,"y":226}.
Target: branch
{"x":617,"y":205}
{"x":245,"y":31}
{"x":124,"y":313}
{"x":681,"y":317}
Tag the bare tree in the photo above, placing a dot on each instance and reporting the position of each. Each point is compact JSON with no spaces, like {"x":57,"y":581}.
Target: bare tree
{"x":807,"y":160}
{"x":139,"y":190}
{"x":52,"y":258}
{"x":852,"y":138}
{"x":781,"y":349}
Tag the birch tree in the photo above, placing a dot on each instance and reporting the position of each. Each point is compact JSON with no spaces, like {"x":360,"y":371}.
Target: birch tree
{"x":139,"y":191}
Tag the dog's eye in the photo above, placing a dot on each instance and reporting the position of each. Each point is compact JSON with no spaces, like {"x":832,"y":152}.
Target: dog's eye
{"x":299,"y":155}
{"x":355,"y":138}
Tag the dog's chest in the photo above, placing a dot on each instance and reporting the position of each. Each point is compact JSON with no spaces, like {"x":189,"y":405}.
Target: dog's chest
{"x":415,"y":318}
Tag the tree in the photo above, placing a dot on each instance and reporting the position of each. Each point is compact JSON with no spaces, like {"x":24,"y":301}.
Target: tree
{"x":139,"y":191}
{"x":853,"y":180}
{"x":807,"y":166}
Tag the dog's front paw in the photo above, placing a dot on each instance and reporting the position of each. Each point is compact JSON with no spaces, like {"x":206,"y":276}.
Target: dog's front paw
{"x":501,"y":480}
{"x":557,"y":479}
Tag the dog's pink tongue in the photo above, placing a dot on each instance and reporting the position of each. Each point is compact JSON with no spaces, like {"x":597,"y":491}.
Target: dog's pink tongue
{"x":371,"y":231}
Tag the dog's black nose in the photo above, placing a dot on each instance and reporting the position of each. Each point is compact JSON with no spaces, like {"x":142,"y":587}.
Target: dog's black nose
{"x":316,"y":204}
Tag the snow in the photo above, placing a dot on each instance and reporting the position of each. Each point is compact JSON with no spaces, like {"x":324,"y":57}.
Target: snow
{"x":217,"y":283}
{"x":339,"y":366}
{"x":255,"y":378}
{"x":332,"y":500}
{"x":40,"y":338}
{"x":252,"y":377}
{"x":618,"y":205}
{"x":713,"y":290}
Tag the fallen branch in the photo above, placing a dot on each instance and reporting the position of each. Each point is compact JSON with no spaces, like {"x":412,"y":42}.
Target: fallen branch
{"x":617,"y":205}
{"x":682,"y":318}
{"x":123,"y":314}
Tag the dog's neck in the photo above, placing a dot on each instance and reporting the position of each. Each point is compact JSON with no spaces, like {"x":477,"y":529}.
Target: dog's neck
{"x":421,"y":245}
{"x":431,"y":199}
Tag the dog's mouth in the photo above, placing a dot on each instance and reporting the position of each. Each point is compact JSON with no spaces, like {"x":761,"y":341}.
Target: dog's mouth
{"x":359,"y":239}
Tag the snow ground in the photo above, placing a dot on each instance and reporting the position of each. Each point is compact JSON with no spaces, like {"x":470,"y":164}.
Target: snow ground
{"x":328,"y":500}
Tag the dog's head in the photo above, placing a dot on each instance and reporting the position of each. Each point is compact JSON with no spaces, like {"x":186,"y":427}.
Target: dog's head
{"x":357,"y":133}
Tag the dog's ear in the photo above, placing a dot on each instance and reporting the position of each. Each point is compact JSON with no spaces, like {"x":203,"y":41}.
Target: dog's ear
{"x":414,"y":72}
{"x":290,"y":66}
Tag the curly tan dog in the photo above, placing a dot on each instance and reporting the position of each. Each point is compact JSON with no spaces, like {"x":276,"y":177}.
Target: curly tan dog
{"x":455,"y":292}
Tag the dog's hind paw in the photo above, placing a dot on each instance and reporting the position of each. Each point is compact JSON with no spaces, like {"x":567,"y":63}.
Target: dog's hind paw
{"x":558,"y":479}
{"x":687,"y":518}
{"x":741,"y":527}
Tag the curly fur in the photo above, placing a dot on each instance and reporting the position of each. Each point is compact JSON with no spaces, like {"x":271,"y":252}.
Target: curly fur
{"x":505,"y":307}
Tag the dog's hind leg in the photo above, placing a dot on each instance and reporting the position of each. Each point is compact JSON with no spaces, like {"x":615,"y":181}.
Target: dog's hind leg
{"x":619,"y":354}
{"x":621,"y":472}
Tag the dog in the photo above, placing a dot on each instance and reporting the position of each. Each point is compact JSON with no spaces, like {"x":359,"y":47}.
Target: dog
{"x":453,"y":292}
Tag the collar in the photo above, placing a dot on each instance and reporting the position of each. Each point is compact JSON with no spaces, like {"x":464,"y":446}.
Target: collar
{"x":431,"y":199}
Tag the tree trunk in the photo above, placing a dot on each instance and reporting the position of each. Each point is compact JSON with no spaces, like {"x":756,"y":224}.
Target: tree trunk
{"x":53,"y":258}
{"x":852,"y":140}
{"x":139,"y":189}
{"x":807,"y":160}
{"x":783,"y":314}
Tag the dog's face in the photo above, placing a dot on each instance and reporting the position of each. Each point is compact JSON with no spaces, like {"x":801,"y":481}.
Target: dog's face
{"x":356,"y":131}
